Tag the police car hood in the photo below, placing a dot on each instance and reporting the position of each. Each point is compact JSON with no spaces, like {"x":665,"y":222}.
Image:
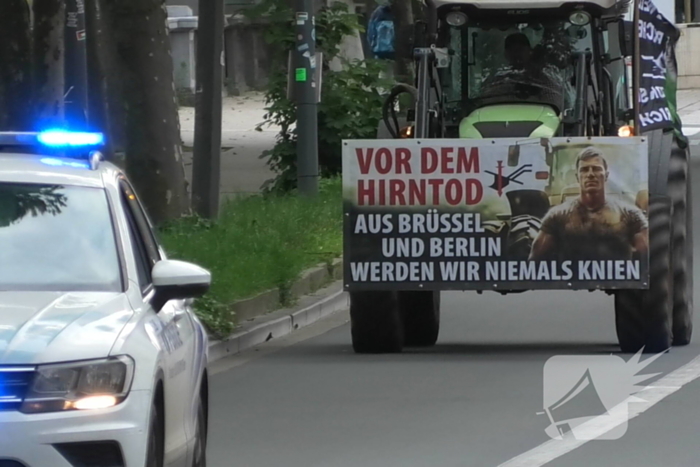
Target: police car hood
{"x":45,"y":327}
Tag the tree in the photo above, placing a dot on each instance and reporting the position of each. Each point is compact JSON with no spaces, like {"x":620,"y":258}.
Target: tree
{"x":49,"y":20}
{"x":16,"y":70}
{"x":141,"y":76}
{"x":98,"y":104}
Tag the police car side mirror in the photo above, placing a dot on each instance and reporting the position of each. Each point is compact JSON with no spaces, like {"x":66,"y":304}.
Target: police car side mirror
{"x":178,"y":280}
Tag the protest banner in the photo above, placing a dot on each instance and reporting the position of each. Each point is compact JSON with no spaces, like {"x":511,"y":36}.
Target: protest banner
{"x":505,"y":214}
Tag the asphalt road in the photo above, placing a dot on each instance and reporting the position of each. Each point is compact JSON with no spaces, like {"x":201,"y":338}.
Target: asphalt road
{"x":473,"y":400}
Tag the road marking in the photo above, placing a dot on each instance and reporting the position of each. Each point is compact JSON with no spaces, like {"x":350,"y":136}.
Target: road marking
{"x":651,"y":395}
{"x":690,"y":130}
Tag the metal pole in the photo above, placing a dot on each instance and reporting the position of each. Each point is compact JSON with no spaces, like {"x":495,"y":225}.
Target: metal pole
{"x":304,"y":63}
{"x":207,"y":127}
{"x":76,"y":84}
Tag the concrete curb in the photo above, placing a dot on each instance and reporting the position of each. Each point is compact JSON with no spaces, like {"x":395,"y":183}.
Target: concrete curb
{"x":278,"y":327}
{"x":309,"y":281}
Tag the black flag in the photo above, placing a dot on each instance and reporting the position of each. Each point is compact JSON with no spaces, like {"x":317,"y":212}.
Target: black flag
{"x":657,"y":87}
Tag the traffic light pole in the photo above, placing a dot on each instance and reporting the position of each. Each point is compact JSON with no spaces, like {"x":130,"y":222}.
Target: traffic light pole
{"x":304,"y":64}
{"x":206,"y":164}
{"x":76,"y":82}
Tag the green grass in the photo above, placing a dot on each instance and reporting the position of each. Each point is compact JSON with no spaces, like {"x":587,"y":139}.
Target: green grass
{"x":258,"y":243}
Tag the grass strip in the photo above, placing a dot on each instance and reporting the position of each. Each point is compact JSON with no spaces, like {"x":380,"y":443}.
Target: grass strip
{"x":258,"y":243}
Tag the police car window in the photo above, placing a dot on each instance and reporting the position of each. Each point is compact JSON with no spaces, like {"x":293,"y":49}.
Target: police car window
{"x":56,"y":238}
{"x":140,"y":255}
{"x":142,"y":223}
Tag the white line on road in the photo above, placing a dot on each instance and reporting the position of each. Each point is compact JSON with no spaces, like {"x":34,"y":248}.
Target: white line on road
{"x":651,"y":395}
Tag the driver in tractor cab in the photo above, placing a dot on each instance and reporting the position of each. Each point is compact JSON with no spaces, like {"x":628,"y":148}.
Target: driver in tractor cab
{"x":523,"y":70}
{"x":518,"y":51}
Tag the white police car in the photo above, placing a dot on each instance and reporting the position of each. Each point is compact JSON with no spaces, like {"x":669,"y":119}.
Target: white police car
{"x":102,"y":360}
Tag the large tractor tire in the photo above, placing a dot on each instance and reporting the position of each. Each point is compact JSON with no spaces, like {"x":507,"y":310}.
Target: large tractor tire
{"x":680,"y":191}
{"x":375,"y":322}
{"x":644,"y":318}
{"x":420,"y":316}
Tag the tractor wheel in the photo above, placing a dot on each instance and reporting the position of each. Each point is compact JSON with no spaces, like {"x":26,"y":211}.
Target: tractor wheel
{"x":680,"y":190}
{"x":420,"y":315}
{"x":644,"y":318}
{"x":375,"y":322}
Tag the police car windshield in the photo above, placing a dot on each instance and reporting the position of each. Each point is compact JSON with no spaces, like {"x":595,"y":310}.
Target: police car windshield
{"x":56,"y":238}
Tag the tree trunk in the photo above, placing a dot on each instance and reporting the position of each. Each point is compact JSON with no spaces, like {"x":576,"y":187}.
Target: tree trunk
{"x":16,"y":72}
{"x":96,"y":82}
{"x":49,"y":21}
{"x":153,"y":146}
{"x":111,"y":69}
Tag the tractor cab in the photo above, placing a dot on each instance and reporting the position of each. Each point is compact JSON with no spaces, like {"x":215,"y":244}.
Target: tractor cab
{"x":529,"y":68}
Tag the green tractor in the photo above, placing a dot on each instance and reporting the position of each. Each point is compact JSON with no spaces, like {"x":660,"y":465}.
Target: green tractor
{"x":536,"y":70}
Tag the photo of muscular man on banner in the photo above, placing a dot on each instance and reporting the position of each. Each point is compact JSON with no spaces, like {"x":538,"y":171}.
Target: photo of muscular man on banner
{"x":593,"y":225}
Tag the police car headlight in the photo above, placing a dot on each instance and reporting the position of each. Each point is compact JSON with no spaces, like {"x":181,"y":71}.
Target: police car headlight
{"x":96,"y":384}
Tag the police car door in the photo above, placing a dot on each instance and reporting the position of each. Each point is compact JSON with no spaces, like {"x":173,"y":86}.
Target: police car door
{"x":175,"y":330}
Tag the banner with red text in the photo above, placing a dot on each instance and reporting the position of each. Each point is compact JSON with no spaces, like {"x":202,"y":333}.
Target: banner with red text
{"x":504,"y":214}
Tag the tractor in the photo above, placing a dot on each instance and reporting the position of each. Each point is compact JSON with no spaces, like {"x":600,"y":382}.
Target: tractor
{"x":539,"y":70}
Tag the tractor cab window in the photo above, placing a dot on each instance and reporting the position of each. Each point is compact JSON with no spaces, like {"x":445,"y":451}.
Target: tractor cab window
{"x":499,"y":62}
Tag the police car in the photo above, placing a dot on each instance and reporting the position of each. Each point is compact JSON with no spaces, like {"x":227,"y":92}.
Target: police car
{"x":102,"y":360}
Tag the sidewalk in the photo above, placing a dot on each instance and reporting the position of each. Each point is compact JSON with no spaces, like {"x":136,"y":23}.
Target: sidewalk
{"x":689,"y":111}
{"x":242,"y":170}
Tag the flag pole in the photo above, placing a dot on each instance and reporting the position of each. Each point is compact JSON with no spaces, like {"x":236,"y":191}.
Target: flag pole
{"x":636,"y":70}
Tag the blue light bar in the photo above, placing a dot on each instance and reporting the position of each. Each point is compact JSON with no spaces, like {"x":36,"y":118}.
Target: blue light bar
{"x":63,"y":138}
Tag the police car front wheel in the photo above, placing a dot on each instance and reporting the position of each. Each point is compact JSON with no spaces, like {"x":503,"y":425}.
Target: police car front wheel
{"x":200,"y":446}
{"x":156,"y":440}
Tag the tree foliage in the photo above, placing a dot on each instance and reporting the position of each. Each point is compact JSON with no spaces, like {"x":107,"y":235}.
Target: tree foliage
{"x":351,"y":100}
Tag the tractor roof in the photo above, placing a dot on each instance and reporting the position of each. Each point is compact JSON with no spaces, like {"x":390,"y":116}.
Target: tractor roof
{"x":531,"y":4}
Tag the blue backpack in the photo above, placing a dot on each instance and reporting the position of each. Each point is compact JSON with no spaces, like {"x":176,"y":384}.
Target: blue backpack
{"x":382,"y":36}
